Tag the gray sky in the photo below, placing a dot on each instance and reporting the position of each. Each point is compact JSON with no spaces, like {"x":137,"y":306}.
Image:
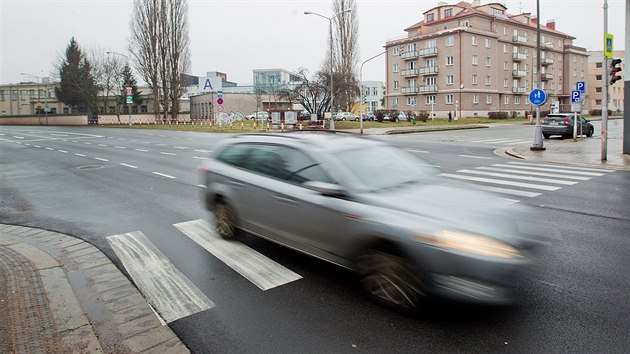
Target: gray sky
{"x":236,"y":37}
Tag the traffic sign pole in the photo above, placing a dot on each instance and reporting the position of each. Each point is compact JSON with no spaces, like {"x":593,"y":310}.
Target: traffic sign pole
{"x":537,"y":97}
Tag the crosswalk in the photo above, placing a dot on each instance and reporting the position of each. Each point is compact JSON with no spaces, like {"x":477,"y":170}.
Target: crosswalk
{"x":480,"y":140}
{"x":524,"y":179}
{"x":170,"y":292}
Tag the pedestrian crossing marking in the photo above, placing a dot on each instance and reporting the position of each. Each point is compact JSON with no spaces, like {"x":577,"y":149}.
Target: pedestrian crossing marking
{"x":582,"y":173}
{"x":562,"y":167}
{"x":169,"y":291}
{"x":531,"y":173}
{"x":255,"y":267}
{"x":526,"y":178}
{"x":502,"y":182}
{"x":508,"y":191}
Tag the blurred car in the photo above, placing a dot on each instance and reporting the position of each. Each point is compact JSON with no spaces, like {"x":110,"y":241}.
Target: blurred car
{"x":258,"y":115}
{"x":401,"y":116}
{"x":370,"y":207}
{"x":345,"y":116}
{"x":562,"y":124}
{"x":369,"y":116}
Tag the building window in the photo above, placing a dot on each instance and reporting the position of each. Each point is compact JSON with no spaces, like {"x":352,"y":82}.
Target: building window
{"x":488,"y":99}
{"x":449,"y":79}
{"x":487,"y":42}
{"x":517,"y":99}
{"x":487,"y":61}
{"x":432,"y":43}
{"x":505,"y":65}
{"x":449,"y":99}
{"x":429,"y":17}
{"x":475,"y":99}
{"x":431,"y":80}
{"x":505,"y":82}
{"x":598,"y":102}
{"x":582,"y":73}
{"x":396,"y":51}
{"x":597,"y":77}
{"x":474,"y":40}
{"x":487,"y":80}
{"x":411,"y":101}
{"x":505,"y":48}
{"x":450,"y":60}
{"x":450,"y":41}
{"x":374,"y":91}
{"x":430,"y":99}
{"x":394,"y":102}
{"x":396,"y":85}
{"x":395,"y":68}
{"x":144,"y":109}
{"x":497,"y":11}
{"x":494,"y":28}
{"x":505,"y":31}
{"x":506,"y":99}
{"x":474,"y":79}
{"x":598,"y":89}
{"x":448,"y":12}
{"x":474,"y":59}
{"x":598,"y":65}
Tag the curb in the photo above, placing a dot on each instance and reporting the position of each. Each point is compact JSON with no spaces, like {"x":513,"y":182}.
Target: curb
{"x":94,"y":307}
{"x":433,"y":129}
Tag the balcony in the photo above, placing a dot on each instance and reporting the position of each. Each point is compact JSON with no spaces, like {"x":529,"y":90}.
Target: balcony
{"x":409,"y":55}
{"x":519,"y":39}
{"x":409,"y":72}
{"x":428,"y":89}
{"x":410,"y":90}
{"x":428,"y":52}
{"x":519,"y":73}
{"x":546,"y":61}
{"x":519,"y":56}
{"x":546,"y":76}
{"x":519,"y":90}
{"x":427,"y":70}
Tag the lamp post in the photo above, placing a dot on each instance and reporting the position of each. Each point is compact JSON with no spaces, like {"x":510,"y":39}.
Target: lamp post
{"x":332,"y":95}
{"x":361,"y":83}
{"x":41,"y":81}
{"x":127,"y":93}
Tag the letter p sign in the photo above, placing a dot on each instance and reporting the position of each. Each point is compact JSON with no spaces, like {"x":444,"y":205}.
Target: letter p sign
{"x":575,"y":96}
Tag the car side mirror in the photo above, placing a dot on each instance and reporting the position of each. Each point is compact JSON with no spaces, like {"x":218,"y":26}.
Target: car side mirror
{"x":327,"y":189}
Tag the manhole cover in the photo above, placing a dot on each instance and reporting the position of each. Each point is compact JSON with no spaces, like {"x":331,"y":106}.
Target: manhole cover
{"x":90,"y":167}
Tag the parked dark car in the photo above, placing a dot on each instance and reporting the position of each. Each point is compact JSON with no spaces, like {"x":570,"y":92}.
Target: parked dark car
{"x":369,"y":116}
{"x":376,"y":209}
{"x":562,"y":124}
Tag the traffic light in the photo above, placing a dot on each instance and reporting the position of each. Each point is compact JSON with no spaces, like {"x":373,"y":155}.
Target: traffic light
{"x":615,"y":68}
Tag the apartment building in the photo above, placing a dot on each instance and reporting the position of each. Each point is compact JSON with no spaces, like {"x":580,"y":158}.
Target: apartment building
{"x":471,"y":59}
{"x":595,"y":83}
{"x":372,"y":96}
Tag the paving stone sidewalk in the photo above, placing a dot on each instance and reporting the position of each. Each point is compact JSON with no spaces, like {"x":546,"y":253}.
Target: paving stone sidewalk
{"x":59,"y":294}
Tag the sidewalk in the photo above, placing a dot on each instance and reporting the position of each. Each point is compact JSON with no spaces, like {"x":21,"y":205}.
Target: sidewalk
{"x":59,"y":294}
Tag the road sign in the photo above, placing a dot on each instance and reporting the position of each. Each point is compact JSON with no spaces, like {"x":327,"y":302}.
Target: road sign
{"x":129,"y":99}
{"x":46,"y":107}
{"x":220,"y":101}
{"x":580,"y":86}
{"x":537,"y":97}
{"x":608,"y":45}
{"x":220,"y":108}
{"x":128,"y":91}
{"x":575,"y":96}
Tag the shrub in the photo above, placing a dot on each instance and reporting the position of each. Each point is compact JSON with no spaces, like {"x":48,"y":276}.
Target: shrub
{"x":422,"y":116}
{"x":497,"y":115}
{"x":598,"y":112}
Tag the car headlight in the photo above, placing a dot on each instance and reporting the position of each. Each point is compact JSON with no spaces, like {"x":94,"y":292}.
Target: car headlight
{"x":475,"y":244}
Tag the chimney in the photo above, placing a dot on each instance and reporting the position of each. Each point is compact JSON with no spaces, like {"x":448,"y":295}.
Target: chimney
{"x":533,"y":21}
{"x":551,"y":24}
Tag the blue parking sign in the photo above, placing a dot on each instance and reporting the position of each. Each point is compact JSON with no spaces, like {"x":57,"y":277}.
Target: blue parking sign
{"x":575,"y":96}
{"x":580,"y":86}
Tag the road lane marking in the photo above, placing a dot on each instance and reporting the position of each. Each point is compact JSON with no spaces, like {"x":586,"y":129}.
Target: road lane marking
{"x":120,"y":147}
{"x":418,"y":151}
{"x":102,"y":145}
{"x":508,"y":191}
{"x":201,"y":158}
{"x":163,"y":175}
{"x":169,"y":291}
{"x":526,"y":178}
{"x":101,"y":159}
{"x":477,"y":157}
{"x":255,"y":267}
{"x":86,"y":143}
{"x":202,"y":150}
{"x":181,"y":147}
{"x":501,"y":182}
{"x":551,"y":170}
{"x":142,"y":150}
{"x":132,"y":166}
{"x":562,"y":167}
{"x":64,"y":151}
{"x":531,"y":173}
{"x":167,"y":153}
{"x":50,"y":149}
{"x":80,"y":155}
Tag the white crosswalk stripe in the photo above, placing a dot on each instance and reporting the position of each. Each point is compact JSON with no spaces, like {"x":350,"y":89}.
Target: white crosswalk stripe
{"x":255,"y":267}
{"x":169,"y":291}
{"x":512,"y":174}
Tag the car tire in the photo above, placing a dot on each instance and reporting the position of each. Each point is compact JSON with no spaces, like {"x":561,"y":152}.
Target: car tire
{"x":546,"y":136}
{"x":590,"y":132}
{"x":343,"y":119}
{"x":390,"y":280}
{"x":225,"y":220}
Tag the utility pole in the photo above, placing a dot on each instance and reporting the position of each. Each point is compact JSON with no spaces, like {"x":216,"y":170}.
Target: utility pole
{"x":606,"y":65}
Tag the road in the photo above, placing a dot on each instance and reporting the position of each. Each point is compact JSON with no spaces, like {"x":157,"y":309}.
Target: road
{"x":104,"y":185}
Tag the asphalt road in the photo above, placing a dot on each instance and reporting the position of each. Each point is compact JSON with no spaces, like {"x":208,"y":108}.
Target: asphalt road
{"x":94,"y":183}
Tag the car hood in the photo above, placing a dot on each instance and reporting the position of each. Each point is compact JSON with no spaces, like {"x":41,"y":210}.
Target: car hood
{"x":454,"y":206}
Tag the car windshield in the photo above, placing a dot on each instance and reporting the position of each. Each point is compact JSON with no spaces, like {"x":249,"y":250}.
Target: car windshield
{"x":379,"y":168}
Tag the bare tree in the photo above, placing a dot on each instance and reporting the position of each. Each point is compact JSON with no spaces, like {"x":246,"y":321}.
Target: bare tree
{"x":108,"y":73}
{"x":346,"y":33}
{"x":178,"y":54}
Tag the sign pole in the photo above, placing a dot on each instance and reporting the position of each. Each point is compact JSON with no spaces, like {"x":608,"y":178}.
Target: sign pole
{"x":608,"y":44}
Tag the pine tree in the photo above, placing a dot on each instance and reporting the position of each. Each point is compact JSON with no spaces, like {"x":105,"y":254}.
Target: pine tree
{"x":129,"y":80}
{"x":77,"y":87}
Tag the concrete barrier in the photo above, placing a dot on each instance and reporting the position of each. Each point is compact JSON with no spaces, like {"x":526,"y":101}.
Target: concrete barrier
{"x":42,"y":120}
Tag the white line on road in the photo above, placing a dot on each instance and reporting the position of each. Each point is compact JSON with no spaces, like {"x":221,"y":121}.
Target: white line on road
{"x":169,"y":291}
{"x":200,"y":157}
{"x":167,"y":153}
{"x":204,"y":151}
{"x":508,"y":191}
{"x":501,"y":182}
{"x":526,"y":178}
{"x":101,"y":159}
{"x":120,"y":147}
{"x":86,"y":143}
{"x":37,"y":146}
{"x":255,"y":267}
{"x":50,"y":149}
{"x":562,"y":167}
{"x":141,"y":150}
{"x":531,"y":173}
{"x":418,"y":151}
{"x":477,"y":157}
{"x":18,"y":137}
{"x":64,"y":151}
{"x":163,"y":175}
{"x":551,"y":170}
{"x":102,"y":145}
{"x":80,"y":155}
{"x":132,"y":166}
{"x":181,"y":147}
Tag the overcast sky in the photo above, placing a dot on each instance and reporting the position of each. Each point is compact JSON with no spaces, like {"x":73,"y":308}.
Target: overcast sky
{"x":236,"y":37}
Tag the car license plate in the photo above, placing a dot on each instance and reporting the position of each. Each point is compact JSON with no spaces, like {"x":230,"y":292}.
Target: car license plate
{"x":553,"y":123}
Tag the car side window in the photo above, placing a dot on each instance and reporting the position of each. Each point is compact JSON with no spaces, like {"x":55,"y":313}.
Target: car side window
{"x":301,"y":168}
{"x":233,"y":154}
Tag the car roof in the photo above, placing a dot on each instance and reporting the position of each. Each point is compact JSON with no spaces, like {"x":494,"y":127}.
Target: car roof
{"x":308,"y":140}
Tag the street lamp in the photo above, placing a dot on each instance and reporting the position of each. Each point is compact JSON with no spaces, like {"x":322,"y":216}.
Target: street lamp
{"x":128,"y":103}
{"x":41,"y":81}
{"x":332,"y":120}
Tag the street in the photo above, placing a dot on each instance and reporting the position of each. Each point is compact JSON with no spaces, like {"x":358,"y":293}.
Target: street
{"x":112,"y":187}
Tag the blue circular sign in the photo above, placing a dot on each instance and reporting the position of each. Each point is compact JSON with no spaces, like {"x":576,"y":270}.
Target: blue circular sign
{"x":537,"y":97}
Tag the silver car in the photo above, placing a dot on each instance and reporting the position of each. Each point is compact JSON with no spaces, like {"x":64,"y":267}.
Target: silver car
{"x":370,"y":207}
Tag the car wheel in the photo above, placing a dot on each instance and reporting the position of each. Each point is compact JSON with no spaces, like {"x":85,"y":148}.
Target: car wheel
{"x":590,"y":132}
{"x":390,"y":280}
{"x":343,"y":119}
{"x":546,"y":136}
{"x":224,"y":220}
